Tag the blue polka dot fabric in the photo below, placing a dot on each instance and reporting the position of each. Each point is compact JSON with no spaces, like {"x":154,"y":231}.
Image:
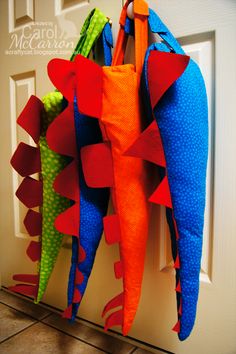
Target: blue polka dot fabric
{"x":182,"y":117}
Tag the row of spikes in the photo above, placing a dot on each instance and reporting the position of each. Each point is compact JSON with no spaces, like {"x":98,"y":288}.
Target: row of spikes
{"x":149,"y":145}
{"x":98,"y":173}
{"x":96,"y":159}
{"x":26,"y":161}
{"x":61,"y":138}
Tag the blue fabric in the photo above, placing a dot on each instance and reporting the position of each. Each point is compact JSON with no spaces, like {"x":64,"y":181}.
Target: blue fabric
{"x":93,"y":207}
{"x":107,"y":41}
{"x":182,"y":117}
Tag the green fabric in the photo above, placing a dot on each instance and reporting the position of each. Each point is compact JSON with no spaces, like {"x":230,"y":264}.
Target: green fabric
{"x":53,"y":203}
{"x":52,"y":164}
{"x":90,"y":32}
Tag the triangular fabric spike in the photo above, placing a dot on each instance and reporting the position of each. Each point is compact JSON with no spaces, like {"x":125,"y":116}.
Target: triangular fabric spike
{"x":115,"y":302}
{"x":25,"y":289}
{"x":26,"y":160}
{"x":111,"y":229}
{"x":149,"y":146}
{"x":26,"y":278}
{"x":178,"y":287}
{"x":77,"y":296}
{"x":30,"y":117}
{"x":177,"y":263}
{"x":162,"y":194}
{"x":115,"y":319}
{"x":163,"y":70}
{"x":176,"y":229}
{"x":82,"y":254}
{"x":67,"y":182}
{"x":79,"y":278}
{"x":61,"y":136}
{"x":176,"y":327}
{"x":62,"y":74}
{"x":68,"y":312}
{"x":68,"y":222}
{"x":30,"y":192}
{"x":89,"y":75}
{"x":97,"y":165}
{"x":118,"y":269}
{"x":33,"y":223}
{"x":34,"y":250}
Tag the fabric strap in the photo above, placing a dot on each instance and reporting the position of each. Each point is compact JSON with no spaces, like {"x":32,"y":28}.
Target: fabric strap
{"x":141,"y":13}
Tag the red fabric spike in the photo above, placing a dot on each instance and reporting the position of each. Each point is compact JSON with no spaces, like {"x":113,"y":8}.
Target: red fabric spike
{"x":176,"y":327}
{"x":27,"y":278}
{"x":79,"y":278}
{"x":33,"y":223}
{"x":67,"y":182}
{"x":25,"y":289}
{"x":111,"y":229}
{"x":30,"y":192}
{"x":178,"y":287}
{"x":163,"y":70}
{"x":68,"y":222}
{"x":34,"y":251}
{"x":89,"y":77}
{"x":62,"y":75}
{"x":177,"y":263}
{"x":118,"y":269}
{"x":176,"y":229}
{"x":82,"y":254}
{"x":149,"y":146}
{"x":77,"y":296}
{"x":26,"y":160}
{"x":162,"y":194}
{"x":30,"y":117}
{"x":61,"y":133}
{"x":68,"y":312}
{"x":115,"y":319}
{"x":180,"y":308}
{"x":97,"y":165}
{"x":113,"y":303}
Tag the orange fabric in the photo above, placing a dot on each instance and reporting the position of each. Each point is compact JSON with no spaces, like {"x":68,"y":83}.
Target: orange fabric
{"x":122,"y":124}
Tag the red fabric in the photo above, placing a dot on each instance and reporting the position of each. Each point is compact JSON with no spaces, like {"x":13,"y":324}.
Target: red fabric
{"x":176,"y":328}
{"x":82,"y":254}
{"x":162,"y":194}
{"x":97,"y":165}
{"x":118,"y":269}
{"x":111,"y":229}
{"x":26,"y":160}
{"x":30,"y":192}
{"x":34,"y":251}
{"x":30,"y":117}
{"x":149,"y":146}
{"x":25,"y":289}
{"x":178,"y":287}
{"x":27,"y":278}
{"x":89,"y":97}
{"x":163,"y":70}
{"x":67,"y":182}
{"x":68,"y":222}
{"x":77,"y":296}
{"x":115,"y":319}
{"x":113,"y":303}
{"x":177,"y":264}
{"x":79,"y":278}
{"x":61,"y":136}
{"x":62,"y":75}
{"x":68,"y":312}
{"x":33,"y":223}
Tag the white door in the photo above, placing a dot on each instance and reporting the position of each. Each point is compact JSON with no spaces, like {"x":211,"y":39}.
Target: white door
{"x":207,"y":30}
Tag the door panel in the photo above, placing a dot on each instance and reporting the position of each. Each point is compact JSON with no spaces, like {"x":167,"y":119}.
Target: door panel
{"x":206,"y":29}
